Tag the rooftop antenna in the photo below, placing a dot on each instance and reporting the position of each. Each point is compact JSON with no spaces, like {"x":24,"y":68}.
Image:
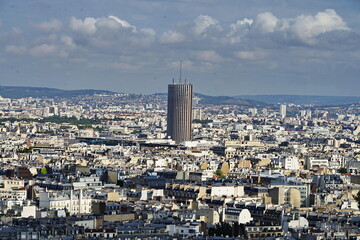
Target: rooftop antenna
{"x":173,"y":81}
{"x":180,"y":69}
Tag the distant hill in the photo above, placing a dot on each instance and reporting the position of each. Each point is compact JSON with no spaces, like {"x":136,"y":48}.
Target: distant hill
{"x":221,"y":100}
{"x":21,"y":92}
{"x":303,"y":99}
{"x":226,"y":100}
{"x":242,"y":100}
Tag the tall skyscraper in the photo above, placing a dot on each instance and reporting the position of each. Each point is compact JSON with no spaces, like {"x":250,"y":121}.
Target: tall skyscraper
{"x":179,"y":115}
{"x":283,"y":110}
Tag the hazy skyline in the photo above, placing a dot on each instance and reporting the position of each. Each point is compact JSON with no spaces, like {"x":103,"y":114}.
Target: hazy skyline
{"x":227,"y":47}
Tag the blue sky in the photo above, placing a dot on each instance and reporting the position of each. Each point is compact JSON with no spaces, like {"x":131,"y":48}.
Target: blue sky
{"x":228,"y":47}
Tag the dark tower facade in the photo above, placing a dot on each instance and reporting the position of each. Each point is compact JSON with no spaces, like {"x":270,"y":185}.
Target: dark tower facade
{"x":179,"y":112}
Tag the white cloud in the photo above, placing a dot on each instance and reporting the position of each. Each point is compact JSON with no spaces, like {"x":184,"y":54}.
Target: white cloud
{"x":68,"y":41}
{"x":245,"y":55}
{"x":49,"y":26}
{"x":209,"y":56}
{"x":172,"y":37}
{"x":86,"y":26}
{"x":44,"y":50}
{"x":266,"y":22}
{"x":239,"y":29}
{"x":123,"y":23}
{"x":92,"y":25}
{"x":203,"y":39}
{"x":148,"y":31}
{"x":303,"y":28}
{"x":113,"y":23}
{"x":15,"y":49}
{"x":204,"y":23}
{"x":251,"y":55}
{"x":46,"y":38}
{"x":202,"y":27}
{"x":110,"y":33}
{"x":307,"y":28}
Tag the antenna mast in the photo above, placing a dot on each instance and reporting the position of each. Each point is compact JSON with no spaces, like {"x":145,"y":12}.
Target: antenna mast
{"x":180,"y":69}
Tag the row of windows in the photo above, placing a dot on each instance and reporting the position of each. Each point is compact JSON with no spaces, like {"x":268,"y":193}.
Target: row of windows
{"x":13,"y":182}
{"x":262,"y":229}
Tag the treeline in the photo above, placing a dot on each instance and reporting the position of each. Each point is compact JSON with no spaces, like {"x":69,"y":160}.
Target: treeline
{"x":70,"y":120}
{"x":56,"y":119}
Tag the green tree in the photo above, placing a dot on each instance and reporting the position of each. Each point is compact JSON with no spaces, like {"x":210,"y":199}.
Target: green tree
{"x":254,"y":161}
{"x":342,"y":170}
{"x":211,"y":231}
{"x":43,"y":170}
{"x":25,"y":150}
{"x":219,"y":173}
{"x":221,"y":229}
{"x":100,"y":129}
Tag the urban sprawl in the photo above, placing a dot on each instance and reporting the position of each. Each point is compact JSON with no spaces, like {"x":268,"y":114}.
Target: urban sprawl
{"x":103,"y":167}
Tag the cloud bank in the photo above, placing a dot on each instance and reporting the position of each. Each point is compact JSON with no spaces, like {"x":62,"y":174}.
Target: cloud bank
{"x":207,"y":45}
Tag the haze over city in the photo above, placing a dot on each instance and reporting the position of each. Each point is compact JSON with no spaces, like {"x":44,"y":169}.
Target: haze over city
{"x":227,"y":47}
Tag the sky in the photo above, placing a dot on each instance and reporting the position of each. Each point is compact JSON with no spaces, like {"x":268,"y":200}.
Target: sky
{"x":227,"y":47}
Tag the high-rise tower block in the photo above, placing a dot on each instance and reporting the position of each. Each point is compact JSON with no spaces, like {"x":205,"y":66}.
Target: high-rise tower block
{"x":179,"y":112}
